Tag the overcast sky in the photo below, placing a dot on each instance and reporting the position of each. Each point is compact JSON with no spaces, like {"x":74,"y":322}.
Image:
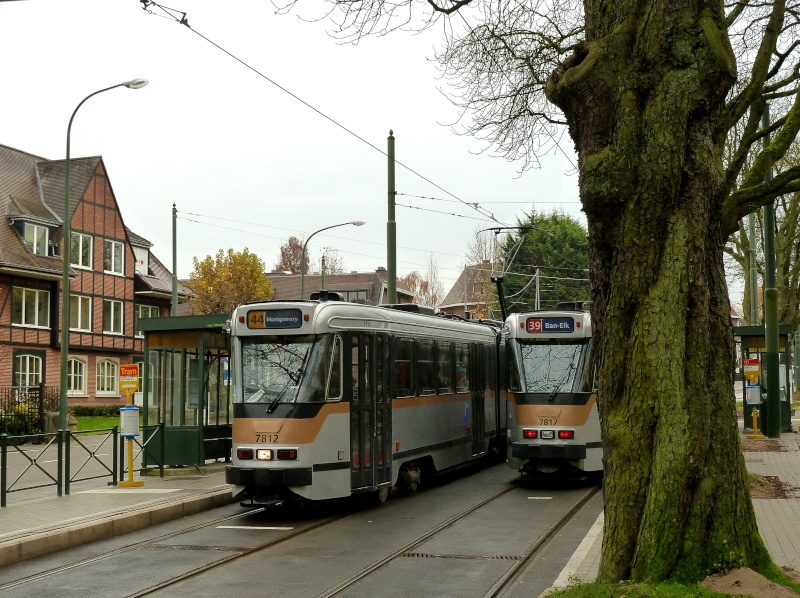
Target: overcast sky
{"x":247,"y":164}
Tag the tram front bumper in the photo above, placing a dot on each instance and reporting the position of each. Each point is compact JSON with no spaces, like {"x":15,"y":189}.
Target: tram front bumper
{"x":268,"y":478}
{"x":540,"y":451}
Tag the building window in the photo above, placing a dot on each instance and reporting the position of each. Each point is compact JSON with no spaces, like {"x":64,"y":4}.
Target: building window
{"x":27,"y":370}
{"x":142,"y":257}
{"x":145,"y":311}
{"x":113,"y":257}
{"x":112,"y":316}
{"x":80,"y":313}
{"x":30,"y":307}
{"x":76,"y":376}
{"x":107,"y":377}
{"x":37,"y":237}
{"x":80,"y":250}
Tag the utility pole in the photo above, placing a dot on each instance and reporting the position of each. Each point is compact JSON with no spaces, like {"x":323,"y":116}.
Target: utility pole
{"x":753,"y":320}
{"x":771,"y":355}
{"x":391,"y":228}
{"x":174,"y":306}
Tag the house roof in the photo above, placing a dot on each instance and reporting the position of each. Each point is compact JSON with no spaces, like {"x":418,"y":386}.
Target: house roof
{"x":468,"y":287}
{"x":32,"y":188}
{"x":158,"y":281}
{"x":287,"y":286}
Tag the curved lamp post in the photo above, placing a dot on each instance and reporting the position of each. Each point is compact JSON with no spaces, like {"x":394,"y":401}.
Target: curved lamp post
{"x":303,"y":256}
{"x":62,"y":411}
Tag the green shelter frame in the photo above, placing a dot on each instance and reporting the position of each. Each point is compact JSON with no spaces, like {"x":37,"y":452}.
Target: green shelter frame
{"x":753,"y":344}
{"x":186,"y":390}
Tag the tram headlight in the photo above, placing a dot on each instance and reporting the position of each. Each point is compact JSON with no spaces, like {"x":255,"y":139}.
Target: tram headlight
{"x":244,"y":453}
{"x":528,"y":433}
{"x":548,"y":434}
{"x":566,"y":434}
{"x":290,"y":454}
{"x":264,"y":454}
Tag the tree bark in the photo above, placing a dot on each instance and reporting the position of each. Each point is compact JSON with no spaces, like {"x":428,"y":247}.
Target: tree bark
{"x":643,"y":97}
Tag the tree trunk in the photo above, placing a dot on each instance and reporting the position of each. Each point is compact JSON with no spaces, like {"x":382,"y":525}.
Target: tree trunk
{"x":643,"y":98}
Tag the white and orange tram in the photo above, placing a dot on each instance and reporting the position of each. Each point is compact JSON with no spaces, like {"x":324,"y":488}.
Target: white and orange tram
{"x":553,"y":425}
{"x":333,"y":399}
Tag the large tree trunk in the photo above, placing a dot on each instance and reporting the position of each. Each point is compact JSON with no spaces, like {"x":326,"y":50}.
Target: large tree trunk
{"x":643,"y":98}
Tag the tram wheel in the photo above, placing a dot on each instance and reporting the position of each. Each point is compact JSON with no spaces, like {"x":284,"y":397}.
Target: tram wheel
{"x":382,"y":495}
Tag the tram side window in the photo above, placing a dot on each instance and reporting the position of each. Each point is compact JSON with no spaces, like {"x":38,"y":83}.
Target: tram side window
{"x":426,"y":368}
{"x":513,"y":370}
{"x":335,"y":374}
{"x":403,"y":368}
{"x":445,"y":368}
{"x":462,"y":367}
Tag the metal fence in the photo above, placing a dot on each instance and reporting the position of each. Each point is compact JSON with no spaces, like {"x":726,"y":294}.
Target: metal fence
{"x":57,"y":459}
{"x":23,"y":408}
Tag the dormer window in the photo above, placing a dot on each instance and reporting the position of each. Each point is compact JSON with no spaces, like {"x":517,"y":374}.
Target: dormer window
{"x":37,"y":237}
{"x":142,"y":260}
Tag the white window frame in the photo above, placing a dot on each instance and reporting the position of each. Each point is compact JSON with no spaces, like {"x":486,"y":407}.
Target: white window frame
{"x":117,"y":315}
{"x":114,"y":249}
{"x":31,"y":374}
{"x":75,"y":255}
{"x":84,"y":304}
{"x":107,"y":378}
{"x":41,"y":297}
{"x":149,"y":309}
{"x":76,"y":380}
{"x":37,"y":246}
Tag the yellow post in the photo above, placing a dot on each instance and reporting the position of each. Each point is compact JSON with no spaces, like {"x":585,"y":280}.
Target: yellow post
{"x":130,"y":383}
{"x":755,"y":435}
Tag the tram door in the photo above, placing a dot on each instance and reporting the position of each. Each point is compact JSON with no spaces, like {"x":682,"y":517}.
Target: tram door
{"x":370,"y":412}
{"x":478,"y":378}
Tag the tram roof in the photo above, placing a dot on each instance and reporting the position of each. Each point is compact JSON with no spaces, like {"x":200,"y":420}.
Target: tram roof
{"x":337,"y":316}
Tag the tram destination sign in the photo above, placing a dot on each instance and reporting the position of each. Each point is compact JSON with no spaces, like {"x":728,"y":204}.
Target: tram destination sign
{"x":550,"y":325}
{"x":274,"y":318}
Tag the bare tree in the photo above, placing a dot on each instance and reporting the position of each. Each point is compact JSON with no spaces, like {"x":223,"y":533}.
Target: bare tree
{"x":290,"y":256}
{"x":334,"y":264}
{"x":649,"y":91}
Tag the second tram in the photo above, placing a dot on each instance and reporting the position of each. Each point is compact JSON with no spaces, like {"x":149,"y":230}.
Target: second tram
{"x":332,"y":398}
{"x":553,"y":425}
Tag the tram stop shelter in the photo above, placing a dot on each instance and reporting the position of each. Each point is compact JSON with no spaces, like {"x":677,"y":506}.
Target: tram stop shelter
{"x":753,"y":346}
{"x":186,"y":400}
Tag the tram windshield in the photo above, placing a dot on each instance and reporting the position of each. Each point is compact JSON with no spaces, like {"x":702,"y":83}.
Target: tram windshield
{"x":289,"y":369}
{"x":554,"y":367}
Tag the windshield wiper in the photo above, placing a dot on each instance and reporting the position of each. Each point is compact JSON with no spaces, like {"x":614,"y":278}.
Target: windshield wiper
{"x":274,"y":402}
{"x":561,"y":382}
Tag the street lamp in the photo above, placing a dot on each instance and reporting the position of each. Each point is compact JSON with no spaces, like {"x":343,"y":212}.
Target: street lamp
{"x":303,"y":256}
{"x":62,"y":412}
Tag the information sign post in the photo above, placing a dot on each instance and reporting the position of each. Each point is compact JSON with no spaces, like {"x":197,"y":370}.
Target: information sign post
{"x":129,"y":417}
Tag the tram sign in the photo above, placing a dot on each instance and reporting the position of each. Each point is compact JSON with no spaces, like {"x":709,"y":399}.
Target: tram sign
{"x":274,"y":318}
{"x":562,"y":325}
{"x":129,"y":377}
{"x":752,"y":369}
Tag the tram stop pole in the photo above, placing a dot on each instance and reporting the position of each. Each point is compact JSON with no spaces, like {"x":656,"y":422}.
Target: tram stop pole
{"x":129,"y":418}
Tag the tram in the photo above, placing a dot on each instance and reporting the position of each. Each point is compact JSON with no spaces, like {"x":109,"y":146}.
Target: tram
{"x":553,"y":425}
{"x":332,"y":399}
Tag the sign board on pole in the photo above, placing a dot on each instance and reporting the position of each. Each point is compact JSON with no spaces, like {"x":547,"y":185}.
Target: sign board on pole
{"x":129,"y":377}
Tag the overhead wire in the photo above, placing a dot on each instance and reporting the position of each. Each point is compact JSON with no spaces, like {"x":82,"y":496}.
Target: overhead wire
{"x":183,"y":20}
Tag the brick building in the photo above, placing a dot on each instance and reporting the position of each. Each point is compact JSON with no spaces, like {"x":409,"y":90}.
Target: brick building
{"x":114,"y":278}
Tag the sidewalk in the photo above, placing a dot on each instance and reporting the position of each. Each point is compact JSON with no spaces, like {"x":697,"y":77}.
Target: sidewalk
{"x":778,"y":519}
{"x":40,"y":526}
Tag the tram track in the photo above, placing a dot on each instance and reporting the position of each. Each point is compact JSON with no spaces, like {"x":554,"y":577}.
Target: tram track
{"x":518,"y":562}
{"x":506,"y":581}
{"x":500,"y":587}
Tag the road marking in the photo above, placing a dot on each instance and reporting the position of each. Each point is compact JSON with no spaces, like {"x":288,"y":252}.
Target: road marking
{"x":277,"y":529}
{"x":129,"y":490}
{"x":540,"y":498}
